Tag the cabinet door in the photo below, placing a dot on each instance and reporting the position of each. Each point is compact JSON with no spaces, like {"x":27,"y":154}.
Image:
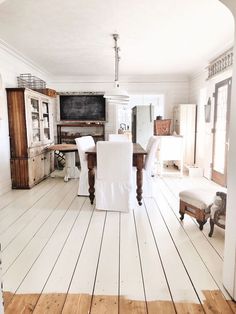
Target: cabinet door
{"x":39,"y":120}
{"x":36,"y":169}
{"x":47,"y":121}
{"x":48,"y":163}
{"x":33,"y":120}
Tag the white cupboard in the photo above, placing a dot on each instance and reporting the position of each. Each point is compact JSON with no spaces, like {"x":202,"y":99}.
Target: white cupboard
{"x":184,"y":123}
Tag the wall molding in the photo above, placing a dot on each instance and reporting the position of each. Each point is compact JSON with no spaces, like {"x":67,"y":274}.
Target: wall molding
{"x":165,"y":78}
{"x":20,"y":57}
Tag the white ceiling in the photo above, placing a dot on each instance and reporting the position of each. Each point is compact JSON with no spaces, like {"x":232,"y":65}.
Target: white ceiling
{"x":73,"y":37}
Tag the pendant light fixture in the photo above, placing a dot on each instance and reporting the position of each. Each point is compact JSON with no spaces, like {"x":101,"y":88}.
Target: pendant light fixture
{"x":117,"y":95}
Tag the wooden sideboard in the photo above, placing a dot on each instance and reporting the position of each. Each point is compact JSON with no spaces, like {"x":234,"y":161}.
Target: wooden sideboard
{"x":67,"y":132}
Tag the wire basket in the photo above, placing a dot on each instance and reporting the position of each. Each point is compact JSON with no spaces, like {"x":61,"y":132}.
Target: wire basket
{"x":29,"y":81}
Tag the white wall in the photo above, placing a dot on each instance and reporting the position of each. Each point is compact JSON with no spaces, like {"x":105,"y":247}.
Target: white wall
{"x":204,"y":141}
{"x":229,"y":271}
{"x":10,"y":67}
{"x":175,"y":88}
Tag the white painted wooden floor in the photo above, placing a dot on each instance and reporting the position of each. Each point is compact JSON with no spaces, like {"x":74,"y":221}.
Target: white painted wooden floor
{"x":54,"y":242}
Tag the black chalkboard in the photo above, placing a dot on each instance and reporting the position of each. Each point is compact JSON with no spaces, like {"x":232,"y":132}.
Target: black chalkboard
{"x":82,"y":108}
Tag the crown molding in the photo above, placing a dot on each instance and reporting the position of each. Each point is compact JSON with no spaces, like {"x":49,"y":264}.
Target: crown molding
{"x":197,"y":74}
{"x":165,"y":78}
{"x":19,"y":56}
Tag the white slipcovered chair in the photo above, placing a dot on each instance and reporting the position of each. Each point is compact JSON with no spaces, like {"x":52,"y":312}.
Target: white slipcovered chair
{"x":118,"y":138}
{"x":84,"y":143}
{"x":113,"y":186}
{"x":148,"y":166}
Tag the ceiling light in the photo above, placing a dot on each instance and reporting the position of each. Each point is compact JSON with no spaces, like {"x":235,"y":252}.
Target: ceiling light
{"x":117,"y":95}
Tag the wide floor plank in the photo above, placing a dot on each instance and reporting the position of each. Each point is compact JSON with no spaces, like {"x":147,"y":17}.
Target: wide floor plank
{"x":106,"y":290}
{"x":82,"y":284}
{"x":132,"y":295}
{"x":62,"y":256}
{"x":203,"y":248}
{"x":152,"y":267}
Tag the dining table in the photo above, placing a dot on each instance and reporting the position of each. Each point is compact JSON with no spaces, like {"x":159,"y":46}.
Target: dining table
{"x":70,"y":170}
{"x":138,"y":161}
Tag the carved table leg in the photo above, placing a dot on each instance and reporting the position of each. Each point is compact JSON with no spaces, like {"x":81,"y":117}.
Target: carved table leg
{"x":139,"y":166}
{"x":91,"y":177}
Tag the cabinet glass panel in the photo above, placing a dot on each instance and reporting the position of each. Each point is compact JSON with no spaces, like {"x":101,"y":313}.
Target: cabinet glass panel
{"x":35,"y":119}
{"x":46,"y":121}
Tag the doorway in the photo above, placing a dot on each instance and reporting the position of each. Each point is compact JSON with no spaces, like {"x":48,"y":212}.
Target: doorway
{"x":221,"y":131}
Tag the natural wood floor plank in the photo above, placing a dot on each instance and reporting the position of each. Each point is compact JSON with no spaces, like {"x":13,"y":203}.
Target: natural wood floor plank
{"x":77,"y":304}
{"x":49,"y":303}
{"x":160,"y":307}
{"x":232,"y":305}
{"x":216,"y":303}
{"x":104,"y":304}
{"x":132,"y":306}
{"x":52,"y":303}
{"x":22,"y":304}
{"x":189,"y":308}
{"x":7,"y":297}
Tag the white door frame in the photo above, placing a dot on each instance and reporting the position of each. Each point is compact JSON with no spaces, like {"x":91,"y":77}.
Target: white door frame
{"x":229,"y":269}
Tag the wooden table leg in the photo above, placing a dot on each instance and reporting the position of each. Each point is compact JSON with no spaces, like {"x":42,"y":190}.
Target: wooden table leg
{"x":91,"y":176}
{"x":139,"y":165}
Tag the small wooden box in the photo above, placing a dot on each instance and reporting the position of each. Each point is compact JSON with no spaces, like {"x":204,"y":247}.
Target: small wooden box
{"x":48,"y":91}
{"x":162,"y":127}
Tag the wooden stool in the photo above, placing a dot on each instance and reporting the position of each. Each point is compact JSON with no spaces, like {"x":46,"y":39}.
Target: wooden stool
{"x":196,"y":203}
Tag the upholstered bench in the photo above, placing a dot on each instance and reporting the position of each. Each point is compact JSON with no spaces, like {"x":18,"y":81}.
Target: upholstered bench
{"x":196,"y":203}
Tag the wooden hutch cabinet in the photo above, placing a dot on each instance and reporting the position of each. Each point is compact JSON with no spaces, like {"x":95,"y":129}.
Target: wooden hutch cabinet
{"x":31,"y":131}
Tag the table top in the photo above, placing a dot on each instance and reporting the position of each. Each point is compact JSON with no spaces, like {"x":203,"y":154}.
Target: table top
{"x":63,"y":147}
{"x":137,"y":150}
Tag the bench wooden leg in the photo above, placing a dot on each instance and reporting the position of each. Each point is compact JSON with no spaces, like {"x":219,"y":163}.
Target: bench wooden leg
{"x":198,"y":214}
{"x":182,"y":208}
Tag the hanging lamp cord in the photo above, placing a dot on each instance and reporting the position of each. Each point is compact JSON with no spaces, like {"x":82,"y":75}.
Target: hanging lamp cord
{"x":117,"y":59}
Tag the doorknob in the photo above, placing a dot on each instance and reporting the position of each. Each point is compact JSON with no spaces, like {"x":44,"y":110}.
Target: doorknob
{"x":227,"y":144}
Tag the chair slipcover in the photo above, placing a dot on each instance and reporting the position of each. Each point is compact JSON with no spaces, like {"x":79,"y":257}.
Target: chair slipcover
{"x":118,"y":138}
{"x":148,"y":166}
{"x":113,"y":187}
{"x":83,"y":144}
